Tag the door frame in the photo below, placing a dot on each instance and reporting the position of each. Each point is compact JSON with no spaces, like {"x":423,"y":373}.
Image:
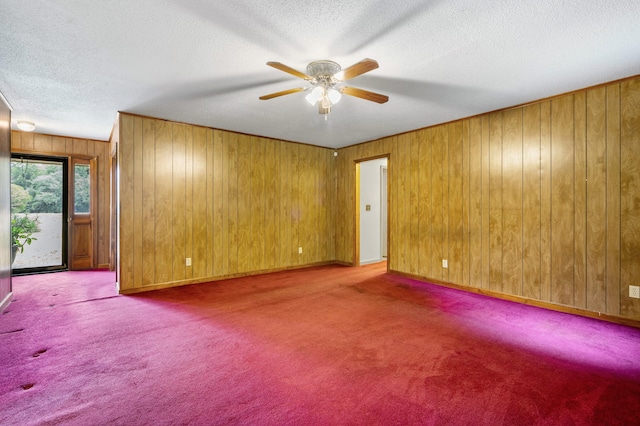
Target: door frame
{"x":356,"y":245}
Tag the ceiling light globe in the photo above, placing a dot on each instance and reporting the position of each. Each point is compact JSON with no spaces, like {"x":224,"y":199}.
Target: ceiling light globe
{"x":316,"y":94}
{"x":334,"y":95}
{"x":310,"y":98}
{"x":27,"y":126}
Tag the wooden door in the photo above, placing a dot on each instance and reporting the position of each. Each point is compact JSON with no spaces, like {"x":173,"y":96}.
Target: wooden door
{"x":81,"y":213}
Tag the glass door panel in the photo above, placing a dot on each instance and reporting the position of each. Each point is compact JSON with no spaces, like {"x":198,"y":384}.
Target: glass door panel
{"x":38,"y":213}
{"x":80,"y":219}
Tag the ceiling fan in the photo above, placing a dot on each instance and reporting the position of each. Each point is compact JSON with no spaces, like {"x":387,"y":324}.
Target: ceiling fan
{"x":325,"y":78}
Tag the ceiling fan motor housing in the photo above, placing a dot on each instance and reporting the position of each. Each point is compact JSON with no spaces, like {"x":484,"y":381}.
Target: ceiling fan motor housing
{"x":322,"y":68}
{"x":323,"y":73}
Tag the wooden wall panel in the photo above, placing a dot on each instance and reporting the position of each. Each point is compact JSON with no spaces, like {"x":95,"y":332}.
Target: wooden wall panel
{"x":284,"y":214}
{"x":562,"y":200}
{"x":466,"y":205}
{"x":257,"y":211}
{"x":163,"y":242}
{"x":43,"y":143}
{"x":126,"y":161}
{"x":614,"y":171}
{"x":531,"y":178}
{"x":394,"y":220}
{"x":296,"y":211}
{"x":596,"y":234}
{"x":148,"y":201}
{"x":512,"y":195}
{"x":475,"y":202}
{"x":272,"y":197}
{"x":244,"y":246}
{"x":580,"y":201}
{"x":235,"y":204}
{"x":495,"y":202}
{"x":455,"y":203}
{"x":540,"y":200}
{"x":630,"y":194}
{"x":404,"y":202}
{"x":424,"y":209}
{"x":414,"y":206}
{"x":437,"y":201}
{"x":206,"y":252}
{"x":178,"y":181}
{"x":486,"y":203}
{"x":189,"y":172}
{"x":545,"y":201}
{"x":40,"y":144}
{"x":232,"y":201}
{"x":138,"y":209}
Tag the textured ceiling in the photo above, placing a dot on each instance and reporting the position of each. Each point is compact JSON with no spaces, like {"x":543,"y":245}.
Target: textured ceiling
{"x":70,"y":65}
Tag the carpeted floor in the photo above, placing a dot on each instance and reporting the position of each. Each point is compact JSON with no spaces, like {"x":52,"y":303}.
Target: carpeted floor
{"x":320,"y":346}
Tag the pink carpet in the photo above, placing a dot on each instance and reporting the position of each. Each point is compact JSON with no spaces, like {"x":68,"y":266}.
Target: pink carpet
{"x":320,"y":346}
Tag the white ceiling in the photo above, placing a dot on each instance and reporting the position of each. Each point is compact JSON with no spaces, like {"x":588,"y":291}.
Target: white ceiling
{"x":70,"y":65}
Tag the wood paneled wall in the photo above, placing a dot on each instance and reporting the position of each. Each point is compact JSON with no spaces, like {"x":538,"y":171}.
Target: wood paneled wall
{"x":235,"y":204}
{"x":36,"y":143}
{"x":5,"y":204}
{"x":540,"y":201}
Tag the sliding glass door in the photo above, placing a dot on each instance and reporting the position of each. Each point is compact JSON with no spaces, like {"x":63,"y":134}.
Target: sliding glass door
{"x":38,"y":213}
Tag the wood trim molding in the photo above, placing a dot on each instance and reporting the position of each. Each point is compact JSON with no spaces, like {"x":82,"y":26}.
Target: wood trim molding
{"x":218,"y":278}
{"x":525,"y":301}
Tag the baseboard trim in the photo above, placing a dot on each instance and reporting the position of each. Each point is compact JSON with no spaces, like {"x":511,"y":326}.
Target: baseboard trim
{"x":181,"y":283}
{"x":525,"y":301}
{"x":6,"y":301}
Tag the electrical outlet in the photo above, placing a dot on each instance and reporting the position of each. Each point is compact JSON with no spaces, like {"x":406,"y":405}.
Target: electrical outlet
{"x":634,"y":291}
{"x":299,"y":250}
{"x":188,"y":261}
{"x":445,"y":263}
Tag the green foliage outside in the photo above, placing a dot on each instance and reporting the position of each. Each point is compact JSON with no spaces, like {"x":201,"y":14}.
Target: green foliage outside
{"x":19,"y":198}
{"x":22,"y":229}
{"x":22,"y":226}
{"x":81,"y":188}
{"x":43,"y":182}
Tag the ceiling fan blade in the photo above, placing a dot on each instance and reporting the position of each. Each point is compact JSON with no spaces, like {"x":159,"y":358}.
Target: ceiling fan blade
{"x":364,"y":94}
{"x":357,"y":69}
{"x":284,"y":92}
{"x":283,"y":67}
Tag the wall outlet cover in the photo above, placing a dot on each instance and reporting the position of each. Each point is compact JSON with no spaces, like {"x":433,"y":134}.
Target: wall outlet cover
{"x":634,"y":291}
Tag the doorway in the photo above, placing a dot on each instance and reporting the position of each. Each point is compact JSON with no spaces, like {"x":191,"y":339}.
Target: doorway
{"x":52,"y":205}
{"x":38,"y":213}
{"x":371,"y":213}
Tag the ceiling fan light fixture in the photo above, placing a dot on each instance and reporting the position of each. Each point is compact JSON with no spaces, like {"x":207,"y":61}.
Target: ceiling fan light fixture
{"x":316,"y":94}
{"x":334,"y":96}
{"x":27,"y":126}
{"x":325,"y":78}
